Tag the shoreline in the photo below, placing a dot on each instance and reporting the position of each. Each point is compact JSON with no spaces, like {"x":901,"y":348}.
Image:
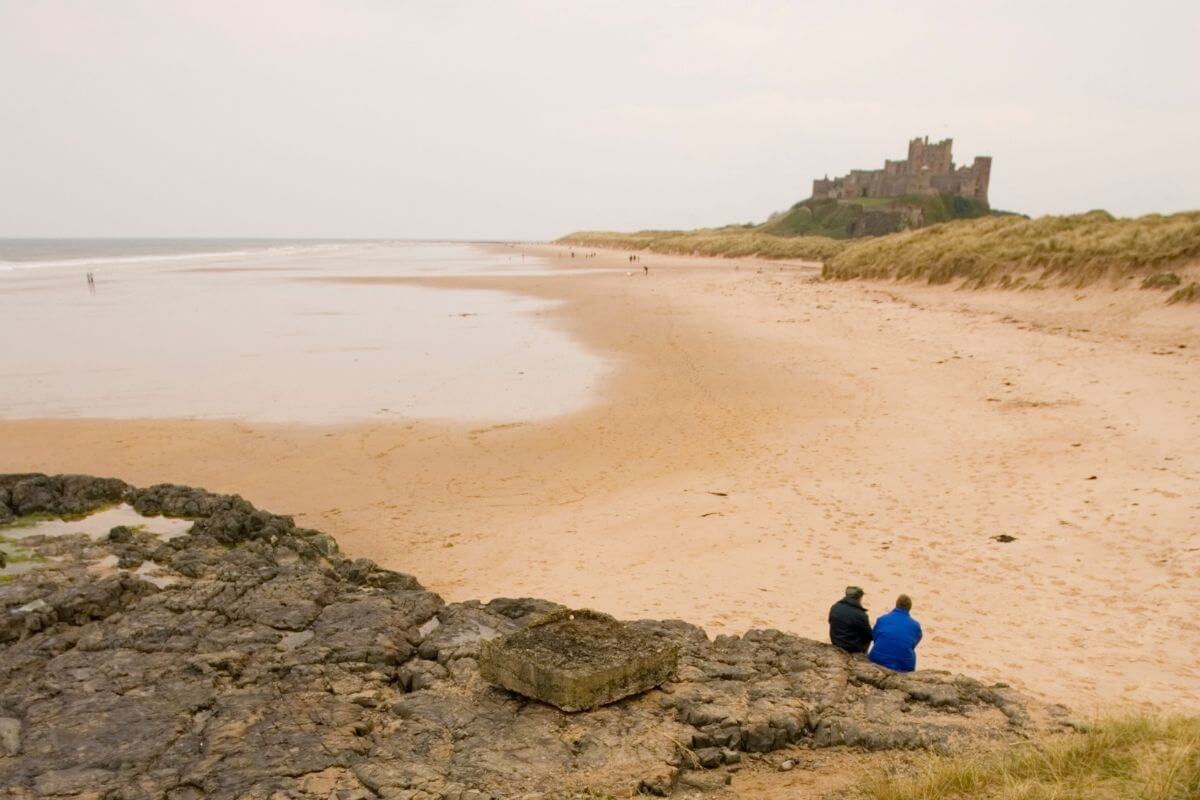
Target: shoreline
{"x":762,"y":442}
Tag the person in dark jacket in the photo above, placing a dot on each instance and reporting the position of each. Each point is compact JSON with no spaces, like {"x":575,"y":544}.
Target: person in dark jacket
{"x":849,"y":626}
{"x":897,"y":635}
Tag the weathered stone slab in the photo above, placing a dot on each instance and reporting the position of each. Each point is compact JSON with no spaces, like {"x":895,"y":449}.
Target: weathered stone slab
{"x":578,"y":660}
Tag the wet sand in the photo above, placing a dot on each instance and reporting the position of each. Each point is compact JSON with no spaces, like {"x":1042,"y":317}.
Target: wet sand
{"x":266,"y":336}
{"x":765,"y":439}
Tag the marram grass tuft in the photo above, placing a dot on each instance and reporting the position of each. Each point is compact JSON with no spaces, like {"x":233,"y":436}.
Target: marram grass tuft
{"x":995,"y":251}
{"x":1136,"y":757}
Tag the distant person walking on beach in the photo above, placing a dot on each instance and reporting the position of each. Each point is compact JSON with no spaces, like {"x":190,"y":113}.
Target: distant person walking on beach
{"x":897,"y":635}
{"x":849,"y":625}
{"x":645,"y":270}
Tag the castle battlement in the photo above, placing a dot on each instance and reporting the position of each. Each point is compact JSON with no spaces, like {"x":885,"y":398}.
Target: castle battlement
{"x":929,"y":169}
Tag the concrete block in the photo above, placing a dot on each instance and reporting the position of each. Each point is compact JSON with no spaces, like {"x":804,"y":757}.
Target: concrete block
{"x":577,"y":660}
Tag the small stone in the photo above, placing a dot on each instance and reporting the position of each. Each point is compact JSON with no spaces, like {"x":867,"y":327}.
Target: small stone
{"x":429,"y":626}
{"x":760,"y":738}
{"x":364,"y":699}
{"x":121,"y":533}
{"x":705,"y":781}
{"x":290,"y":641}
{"x":660,"y":782}
{"x":70,"y":781}
{"x":787,"y":766}
{"x":10,"y":736}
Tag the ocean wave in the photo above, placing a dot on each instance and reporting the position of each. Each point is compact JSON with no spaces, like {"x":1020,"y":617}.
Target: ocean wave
{"x":150,"y":258}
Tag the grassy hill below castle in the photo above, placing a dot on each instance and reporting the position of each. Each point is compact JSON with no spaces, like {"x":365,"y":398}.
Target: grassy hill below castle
{"x":871,"y":216}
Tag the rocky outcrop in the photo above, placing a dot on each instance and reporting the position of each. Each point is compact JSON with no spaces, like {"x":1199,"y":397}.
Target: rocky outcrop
{"x":61,"y":495}
{"x":249,"y":659}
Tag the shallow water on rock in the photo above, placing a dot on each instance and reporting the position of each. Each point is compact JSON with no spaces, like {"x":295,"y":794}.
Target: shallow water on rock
{"x":98,"y":525}
{"x":17,"y":559}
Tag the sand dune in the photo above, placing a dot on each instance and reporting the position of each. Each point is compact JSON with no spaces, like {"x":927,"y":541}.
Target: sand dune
{"x":766,"y":439}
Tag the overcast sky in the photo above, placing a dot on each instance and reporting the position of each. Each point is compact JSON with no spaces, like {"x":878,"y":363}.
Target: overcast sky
{"x":531,"y":119}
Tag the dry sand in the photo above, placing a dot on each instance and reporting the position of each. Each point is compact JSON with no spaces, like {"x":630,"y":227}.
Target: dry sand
{"x":767,"y":439}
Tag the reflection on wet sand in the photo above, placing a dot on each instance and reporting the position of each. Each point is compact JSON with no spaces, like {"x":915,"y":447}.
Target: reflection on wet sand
{"x":250,"y":339}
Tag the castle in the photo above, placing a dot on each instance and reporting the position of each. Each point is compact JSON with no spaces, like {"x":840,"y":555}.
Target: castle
{"x":929,"y":169}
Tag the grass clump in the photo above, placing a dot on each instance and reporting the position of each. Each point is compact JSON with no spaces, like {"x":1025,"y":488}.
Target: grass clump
{"x":1077,"y":249}
{"x":730,"y":242}
{"x":1162,"y":280}
{"x":1185,"y":294}
{"x":1130,"y":758}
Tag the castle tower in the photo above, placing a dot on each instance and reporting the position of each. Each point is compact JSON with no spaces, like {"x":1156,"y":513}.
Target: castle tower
{"x":936,"y":158}
{"x":982,"y":167}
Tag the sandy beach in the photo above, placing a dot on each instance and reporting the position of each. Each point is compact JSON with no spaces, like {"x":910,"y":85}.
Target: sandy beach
{"x":763,"y":439}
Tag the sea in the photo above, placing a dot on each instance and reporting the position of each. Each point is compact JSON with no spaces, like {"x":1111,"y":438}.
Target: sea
{"x":284,"y":331}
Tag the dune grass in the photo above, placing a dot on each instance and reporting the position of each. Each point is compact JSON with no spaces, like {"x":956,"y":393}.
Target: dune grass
{"x":1185,"y":294}
{"x":1162,"y":280}
{"x":1006,"y":251}
{"x":1013,"y":251}
{"x":1129,"y":758}
{"x":730,"y":242}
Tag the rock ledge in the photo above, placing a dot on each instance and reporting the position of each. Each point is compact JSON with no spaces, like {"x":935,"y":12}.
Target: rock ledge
{"x":249,"y":659}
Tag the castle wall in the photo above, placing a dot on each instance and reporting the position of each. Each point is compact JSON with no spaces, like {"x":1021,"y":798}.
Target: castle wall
{"x":929,"y":169}
{"x":982,"y":166}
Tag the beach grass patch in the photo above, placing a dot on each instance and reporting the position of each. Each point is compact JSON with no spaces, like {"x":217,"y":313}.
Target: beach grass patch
{"x":993,"y":250}
{"x":1162,"y":280}
{"x":1075,"y":250}
{"x":1186,"y":294}
{"x":1136,"y":757}
{"x":730,"y":242}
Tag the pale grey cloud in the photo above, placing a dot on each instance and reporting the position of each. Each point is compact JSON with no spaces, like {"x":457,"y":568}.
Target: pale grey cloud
{"x":528,"y":119}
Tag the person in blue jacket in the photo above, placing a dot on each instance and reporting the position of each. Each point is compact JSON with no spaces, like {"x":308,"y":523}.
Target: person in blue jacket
{"x":896,"y":636}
